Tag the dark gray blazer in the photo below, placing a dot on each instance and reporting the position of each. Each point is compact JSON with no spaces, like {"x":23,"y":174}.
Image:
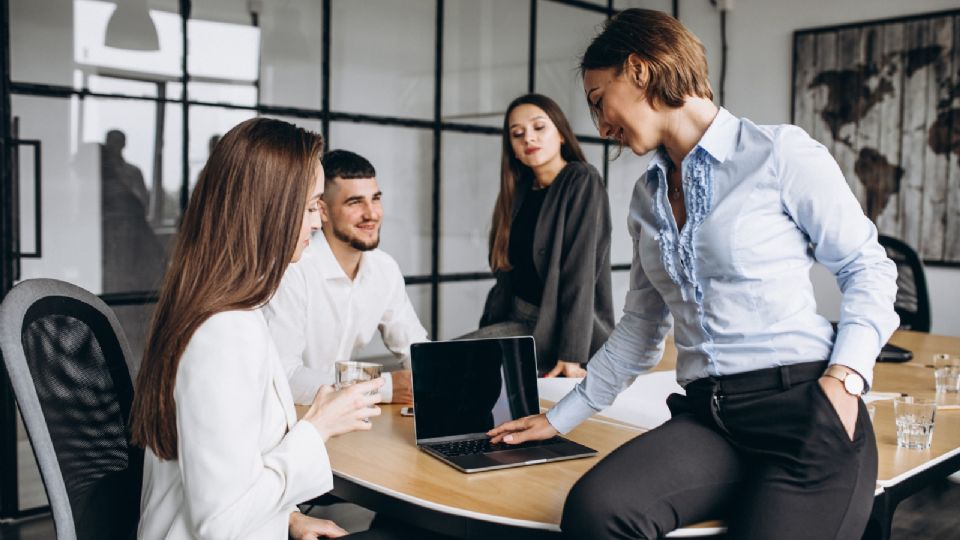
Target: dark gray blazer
{"x":571,"y":253}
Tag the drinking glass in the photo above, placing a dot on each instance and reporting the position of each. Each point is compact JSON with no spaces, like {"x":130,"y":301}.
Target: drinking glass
{"x":946,"y":373}
{"x":914,"y":418}
{"x":349,"y":373}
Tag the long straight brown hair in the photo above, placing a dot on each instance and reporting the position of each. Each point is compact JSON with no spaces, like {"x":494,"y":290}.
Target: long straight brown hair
{"x":511,"y":171}
{"x":237,"y":237}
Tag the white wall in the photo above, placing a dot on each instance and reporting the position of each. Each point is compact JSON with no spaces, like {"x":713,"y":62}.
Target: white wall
{"x":759,"y":63}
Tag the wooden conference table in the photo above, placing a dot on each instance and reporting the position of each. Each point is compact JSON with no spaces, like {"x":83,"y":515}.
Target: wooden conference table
{"x":383,"y":470}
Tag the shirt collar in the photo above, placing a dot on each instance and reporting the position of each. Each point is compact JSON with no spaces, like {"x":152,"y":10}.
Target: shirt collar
{"x":719,"y":140}
{"x":721,"y":137}
{"x":329,"y":265}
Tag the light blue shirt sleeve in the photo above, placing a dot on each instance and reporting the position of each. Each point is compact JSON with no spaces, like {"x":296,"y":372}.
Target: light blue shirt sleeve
{"x":634,"y":346}
{"x":815,"y":194}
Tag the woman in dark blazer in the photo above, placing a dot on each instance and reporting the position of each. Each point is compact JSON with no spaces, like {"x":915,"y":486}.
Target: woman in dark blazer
{"x":549,"y":242}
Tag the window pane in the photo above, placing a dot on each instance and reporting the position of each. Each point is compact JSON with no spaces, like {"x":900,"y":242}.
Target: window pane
{"x":484,"y":59}
{"x":226,"y":93}
{"x":223,"y":57}
{"x":471,"y":182}
{"x":291,"y":53}
{"x":563,"y":33}
{"x":135,"y":321}
{"x":461,"y":305}
{"x":624,"y":173}
{"x":420,"y":299}
{"x":382,"y":53}
{"x":123,"y":86}
{"x":100,"y":192}
{"x":172,"y":159}
{"x":310,"y":124}
{"x":207,"y":125}
{"x":403,"y":159}
{"x":62,"y":41}
{"x":662,"y":5}
{"x":594,"y":154}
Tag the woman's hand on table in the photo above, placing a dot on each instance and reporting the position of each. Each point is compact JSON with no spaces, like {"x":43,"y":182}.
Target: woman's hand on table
{"x":528,"y":428}
{"x":567,"y":369}
{"x":304,"y":527}
{"x":337,"y":412}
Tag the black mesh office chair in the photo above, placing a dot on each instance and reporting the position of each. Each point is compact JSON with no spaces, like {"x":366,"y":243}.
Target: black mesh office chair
{"x":913,"y":303}
{"x":66,"y":357}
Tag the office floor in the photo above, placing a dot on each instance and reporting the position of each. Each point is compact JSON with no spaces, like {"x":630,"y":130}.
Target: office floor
{"x":930,"y":514}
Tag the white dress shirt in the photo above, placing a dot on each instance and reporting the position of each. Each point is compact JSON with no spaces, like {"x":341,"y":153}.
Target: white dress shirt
{"x":763,"y":203}
{"x":244,"y":460}
{"x":320,"y":316}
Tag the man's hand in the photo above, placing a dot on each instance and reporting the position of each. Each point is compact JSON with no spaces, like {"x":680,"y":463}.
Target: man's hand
{"x":566,"y":369}
{"x":307,"y":528}
{"x":528,"y":428}
{"x":402,"y":386}
{"x":845,"y":404}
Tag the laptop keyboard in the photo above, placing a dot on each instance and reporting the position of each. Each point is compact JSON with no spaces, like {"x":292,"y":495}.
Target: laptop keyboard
{"x":483,"y":446}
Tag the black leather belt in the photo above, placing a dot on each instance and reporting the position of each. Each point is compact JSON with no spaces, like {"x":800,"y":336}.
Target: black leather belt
{"x":775,"y":378}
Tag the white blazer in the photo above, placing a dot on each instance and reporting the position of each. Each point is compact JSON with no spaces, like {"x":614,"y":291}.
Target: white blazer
{"x":244,"y":459}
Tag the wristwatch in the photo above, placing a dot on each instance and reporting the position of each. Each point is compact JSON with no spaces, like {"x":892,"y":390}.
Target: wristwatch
{"x":852,"y":381}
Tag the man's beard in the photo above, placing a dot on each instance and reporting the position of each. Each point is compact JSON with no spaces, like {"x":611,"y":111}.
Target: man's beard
{"x":355,"y":242}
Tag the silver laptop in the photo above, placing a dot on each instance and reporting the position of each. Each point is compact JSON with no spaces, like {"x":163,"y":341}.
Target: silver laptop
{"x":464,"y":388}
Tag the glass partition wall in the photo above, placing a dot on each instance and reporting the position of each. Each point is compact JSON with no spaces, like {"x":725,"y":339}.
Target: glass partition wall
{"x":110,"y":109}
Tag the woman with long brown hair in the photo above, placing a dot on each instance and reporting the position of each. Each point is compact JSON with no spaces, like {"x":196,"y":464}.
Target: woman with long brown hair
{"x":225,"y":455}
{"x":549,"y":242}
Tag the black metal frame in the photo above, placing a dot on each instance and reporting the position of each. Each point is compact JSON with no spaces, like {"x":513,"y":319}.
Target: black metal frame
{"x":9,"y":504}
{"x":9,"y":497}
{"x":848,"y":26}
{"x":37,"y":204}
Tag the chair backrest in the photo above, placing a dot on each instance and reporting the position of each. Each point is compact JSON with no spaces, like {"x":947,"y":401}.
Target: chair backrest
{"x":66,"y":356}
{"x":913,"y":303}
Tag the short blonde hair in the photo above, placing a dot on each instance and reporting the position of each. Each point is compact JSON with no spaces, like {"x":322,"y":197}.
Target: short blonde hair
{"x":676,"y":59}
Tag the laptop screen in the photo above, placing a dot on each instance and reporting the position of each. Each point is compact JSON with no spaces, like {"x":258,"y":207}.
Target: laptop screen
{"x":470,"y":386}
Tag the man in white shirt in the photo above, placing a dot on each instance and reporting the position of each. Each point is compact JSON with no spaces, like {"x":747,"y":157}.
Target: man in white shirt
{"x":343,"y":289}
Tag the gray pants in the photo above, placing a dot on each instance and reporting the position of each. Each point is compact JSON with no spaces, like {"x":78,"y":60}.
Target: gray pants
{"x":522,"y":321}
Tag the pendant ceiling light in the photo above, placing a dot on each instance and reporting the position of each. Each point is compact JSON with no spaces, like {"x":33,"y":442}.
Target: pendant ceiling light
{"x":130,"y":27}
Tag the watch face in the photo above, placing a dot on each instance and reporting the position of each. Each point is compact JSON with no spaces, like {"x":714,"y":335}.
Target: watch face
{"x":853,"y":384}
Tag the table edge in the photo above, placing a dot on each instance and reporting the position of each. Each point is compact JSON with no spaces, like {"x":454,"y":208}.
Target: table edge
{"x":929,"y":464}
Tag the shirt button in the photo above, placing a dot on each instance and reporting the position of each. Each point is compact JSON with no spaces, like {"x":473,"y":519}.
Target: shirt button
{"x":541,"y":251}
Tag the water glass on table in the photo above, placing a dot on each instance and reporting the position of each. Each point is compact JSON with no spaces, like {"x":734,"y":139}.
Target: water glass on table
{"x":349,"y":373}
{"x":915,"y":419}
{"x":946,"y":373}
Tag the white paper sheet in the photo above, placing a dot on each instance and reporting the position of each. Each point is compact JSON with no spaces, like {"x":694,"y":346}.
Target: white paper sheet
{"x":643,"y":404}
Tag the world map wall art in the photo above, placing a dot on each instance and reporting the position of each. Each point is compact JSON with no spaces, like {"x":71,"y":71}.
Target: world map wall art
{"x":884,"y":98}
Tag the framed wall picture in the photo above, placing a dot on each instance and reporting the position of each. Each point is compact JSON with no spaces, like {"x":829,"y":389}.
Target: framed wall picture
{"x":884,"y":98}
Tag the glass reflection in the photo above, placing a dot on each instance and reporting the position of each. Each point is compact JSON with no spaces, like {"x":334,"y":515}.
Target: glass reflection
{"x":471,"y":181}
{"x":563,"y":32}
{"x":102,"y":170}
{"x":395,"y":80}
{"x":484,"y":59}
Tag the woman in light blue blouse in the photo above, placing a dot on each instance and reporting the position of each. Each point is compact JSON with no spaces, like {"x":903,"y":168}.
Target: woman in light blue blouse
{"x":771,"y":435}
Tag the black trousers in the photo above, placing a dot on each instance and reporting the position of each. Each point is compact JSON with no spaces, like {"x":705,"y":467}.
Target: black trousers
{"x":765,"y":451}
